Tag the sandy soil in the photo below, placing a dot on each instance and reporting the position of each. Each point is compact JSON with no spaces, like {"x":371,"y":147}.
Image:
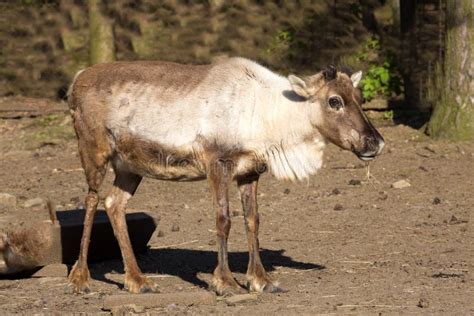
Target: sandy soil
{"x":337,"y":243}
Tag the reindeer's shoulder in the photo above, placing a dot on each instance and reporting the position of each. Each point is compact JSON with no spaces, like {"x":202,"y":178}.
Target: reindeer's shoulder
{"x":246,"y":69}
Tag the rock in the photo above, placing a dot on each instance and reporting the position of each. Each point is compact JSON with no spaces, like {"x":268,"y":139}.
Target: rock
{"x":161,"y":233}
{"x":129,"y":309}
{"x":52,"y":270}
{"x":436,"y":201}
{"x":401,"y":184}
{"x":355,"y":182}
{"x":241,"y":298}
{"x":422,"y":303}
{"x":286,"y":191}
{"x":159,"y":299}
{"x":454,"y":220}
{"x":25,"y":247}
{"x":377,"y":104}
{"x":137,"y":309}
{"x":431,"y":149}
{"x":75,"y":199}
{"x":34,"y":202}
{"x":39,"y":303}
{"x":423,"y":168}
{"x":460,"y":150}
{"x":338,"y":207}
{"x":175,"y":228}
{"x":336,"y":191}
{"x":7,"y":199}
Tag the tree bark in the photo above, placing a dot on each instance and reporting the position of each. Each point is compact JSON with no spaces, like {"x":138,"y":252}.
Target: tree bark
{"x":102,"y":48}
{"x":409,"y":31}
{"x":453,"y":115}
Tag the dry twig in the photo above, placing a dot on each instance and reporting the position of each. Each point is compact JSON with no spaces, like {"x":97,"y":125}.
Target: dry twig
{"x":175,"y":245}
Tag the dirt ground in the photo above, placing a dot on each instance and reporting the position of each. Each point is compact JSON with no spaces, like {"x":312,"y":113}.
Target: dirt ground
{"x":338,"y":243}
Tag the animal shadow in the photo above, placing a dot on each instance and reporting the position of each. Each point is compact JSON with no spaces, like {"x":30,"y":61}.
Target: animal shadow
{"x":187,"y":264}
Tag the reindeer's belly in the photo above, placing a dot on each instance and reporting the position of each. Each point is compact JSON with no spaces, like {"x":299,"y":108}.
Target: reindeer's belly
{"x":161,"y":171}
{"x":185,"y":163}
{"x":153,"y":160}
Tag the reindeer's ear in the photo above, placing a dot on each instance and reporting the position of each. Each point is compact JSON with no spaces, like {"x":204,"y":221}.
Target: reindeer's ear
{"x":299,"y":86}
{"x":355,"y":78}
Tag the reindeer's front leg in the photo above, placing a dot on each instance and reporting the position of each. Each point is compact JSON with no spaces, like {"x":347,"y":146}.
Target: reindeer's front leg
{"x":220,"y":176}
{"x":257,"y":278}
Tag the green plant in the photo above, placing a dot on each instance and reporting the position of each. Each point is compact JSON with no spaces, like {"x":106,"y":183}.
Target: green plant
{"x":388,"y":115}
{"x":381,"y":80}
{"x":370,"y":49}
{"x":375,"y":82}
{"x":281,"y":39}
{"x":381,"y":76}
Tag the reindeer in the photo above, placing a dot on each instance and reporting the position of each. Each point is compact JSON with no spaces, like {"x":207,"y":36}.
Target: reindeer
{"x":223,"y":122}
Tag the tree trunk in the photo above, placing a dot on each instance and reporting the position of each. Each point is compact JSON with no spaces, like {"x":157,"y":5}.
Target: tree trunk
{"x":101,"y":35}
{"x":453,"y":115}
{"x":409,"y":31}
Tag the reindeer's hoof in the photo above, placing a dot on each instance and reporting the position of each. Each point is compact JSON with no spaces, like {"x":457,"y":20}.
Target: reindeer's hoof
{"x":263,"y":285}
{"x":140,"y":284}
{"x":78,"y":281}
{"x":227,"y":287}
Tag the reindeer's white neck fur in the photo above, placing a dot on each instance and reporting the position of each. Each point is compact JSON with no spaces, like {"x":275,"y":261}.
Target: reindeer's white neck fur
{"x":281,"y":126}
{"x":239,"y":104}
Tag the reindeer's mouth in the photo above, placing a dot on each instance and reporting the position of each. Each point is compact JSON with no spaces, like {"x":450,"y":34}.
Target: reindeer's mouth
{"x":362,"y":156}
{"x":366,"y":158}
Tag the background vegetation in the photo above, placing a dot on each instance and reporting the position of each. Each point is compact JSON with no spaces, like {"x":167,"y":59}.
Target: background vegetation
{"x":400,"y":45}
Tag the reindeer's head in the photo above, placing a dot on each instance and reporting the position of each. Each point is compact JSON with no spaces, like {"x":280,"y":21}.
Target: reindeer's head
{"x":336,"y":111}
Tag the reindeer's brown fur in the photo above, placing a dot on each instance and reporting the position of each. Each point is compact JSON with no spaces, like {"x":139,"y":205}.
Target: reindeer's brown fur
{"x":164,"y":74}
{"x":150,"y":158}
{"x":257,"y":278}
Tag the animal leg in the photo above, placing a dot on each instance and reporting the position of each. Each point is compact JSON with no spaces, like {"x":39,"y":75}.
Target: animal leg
{"x":219,"y":179}
{"x":257,"y":278}
{"x":95,"y":167}
{"x":125,"y":185}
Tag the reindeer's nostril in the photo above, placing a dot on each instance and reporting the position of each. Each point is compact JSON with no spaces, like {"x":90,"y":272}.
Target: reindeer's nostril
{"x":370,"y":143}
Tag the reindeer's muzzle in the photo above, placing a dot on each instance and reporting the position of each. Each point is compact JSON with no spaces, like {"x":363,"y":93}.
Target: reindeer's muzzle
{"x":372,"y":147}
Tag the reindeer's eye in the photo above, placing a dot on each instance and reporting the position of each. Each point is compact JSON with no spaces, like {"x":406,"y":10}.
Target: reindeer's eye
{"x":335,"y":102}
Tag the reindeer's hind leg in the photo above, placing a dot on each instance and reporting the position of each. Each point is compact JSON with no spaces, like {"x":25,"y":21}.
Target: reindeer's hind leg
{"x":125,"y":185}
{"x":257,"y":278}
{"x":94,"y":158}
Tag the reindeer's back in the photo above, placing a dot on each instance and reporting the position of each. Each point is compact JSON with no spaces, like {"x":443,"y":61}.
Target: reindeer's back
{"x":108,"y":78}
